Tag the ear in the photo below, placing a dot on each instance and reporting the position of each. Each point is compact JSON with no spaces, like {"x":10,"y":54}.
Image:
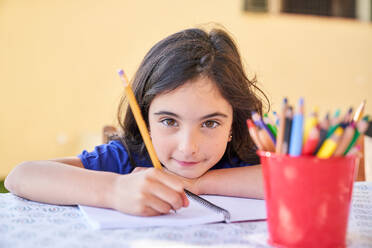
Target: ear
{"x":230,"y":136}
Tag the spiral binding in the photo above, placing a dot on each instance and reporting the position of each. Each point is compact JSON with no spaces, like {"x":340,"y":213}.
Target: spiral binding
{"x":208,"y":204}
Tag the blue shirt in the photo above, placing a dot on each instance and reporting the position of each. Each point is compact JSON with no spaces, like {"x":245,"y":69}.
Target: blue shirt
{"x":114,"y":157}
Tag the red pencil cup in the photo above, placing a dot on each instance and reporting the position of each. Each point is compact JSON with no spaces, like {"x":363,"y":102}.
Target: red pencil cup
{"x":307,"y":199}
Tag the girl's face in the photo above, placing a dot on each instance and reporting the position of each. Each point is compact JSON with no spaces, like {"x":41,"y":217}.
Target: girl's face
{"x":190,"y":127}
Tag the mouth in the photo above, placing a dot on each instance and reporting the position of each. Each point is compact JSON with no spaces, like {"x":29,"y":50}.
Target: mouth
{"x":186,"y":163}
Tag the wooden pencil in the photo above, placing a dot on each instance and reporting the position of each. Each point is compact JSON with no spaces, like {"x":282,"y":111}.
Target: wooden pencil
{"x":280,"y":137}
{"x":345,"y":140}
{"x":139,"y":119}
{"x":253,"y":132}
{"x":359,"y":112}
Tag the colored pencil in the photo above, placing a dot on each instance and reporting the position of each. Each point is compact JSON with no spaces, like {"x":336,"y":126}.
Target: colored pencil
{"x":330,"y":144}
{"x":287,"y":130}
{"x":359,"y":112}
{"x":323,"y":130}
{"x":335,"y":123}
{"x":282,"y":122}
{"x":270,"y":125}
{"x":276,"y":118}
{"x":139,"y":119}
{"x":310,"y":123}
{"x":361,"y":127}
{"x":295,"y":146}
{"x":266,"y":140}
{"x":259,"y":123}
{"x":253,"y":132}
{"x":348,"y":116}
{"x":345,"y":140}
{"x":311,"y":142}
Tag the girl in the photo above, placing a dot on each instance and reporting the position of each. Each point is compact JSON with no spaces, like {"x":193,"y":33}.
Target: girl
{"x":195,"y":99}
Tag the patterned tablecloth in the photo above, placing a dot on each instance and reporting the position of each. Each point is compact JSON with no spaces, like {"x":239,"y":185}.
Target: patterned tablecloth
{"x":26,"y":223}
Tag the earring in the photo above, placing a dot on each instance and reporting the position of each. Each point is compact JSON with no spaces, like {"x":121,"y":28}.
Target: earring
{"x":230,"y":137}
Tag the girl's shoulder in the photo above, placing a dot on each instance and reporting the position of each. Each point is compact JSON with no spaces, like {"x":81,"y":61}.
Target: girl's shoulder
{"x":113,"y":157}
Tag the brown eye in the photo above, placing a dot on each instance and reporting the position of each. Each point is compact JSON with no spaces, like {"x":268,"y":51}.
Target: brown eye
{"x":169,"y":122}
{"x":210,"y":124}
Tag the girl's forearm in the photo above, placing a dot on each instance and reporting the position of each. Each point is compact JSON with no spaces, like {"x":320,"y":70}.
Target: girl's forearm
{"x":242,"y":181}
{"x":57,"y":183}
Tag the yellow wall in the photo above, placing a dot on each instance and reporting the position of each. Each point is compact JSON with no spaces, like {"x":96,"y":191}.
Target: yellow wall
{"x":58,"y":61}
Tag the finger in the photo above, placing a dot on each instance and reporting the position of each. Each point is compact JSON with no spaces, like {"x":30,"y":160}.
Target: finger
{"x":158,"y":205}
{"x":173,"y":198}
{"x":169,"y":180}
{"x":185,"y":200}
{"x":149,"y":211}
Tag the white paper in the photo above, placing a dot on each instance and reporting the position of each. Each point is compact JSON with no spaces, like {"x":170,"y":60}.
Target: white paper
{"x":240,"y":209}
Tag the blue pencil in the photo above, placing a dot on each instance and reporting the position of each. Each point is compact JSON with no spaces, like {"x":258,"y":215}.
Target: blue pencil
{"x":295,"y":145}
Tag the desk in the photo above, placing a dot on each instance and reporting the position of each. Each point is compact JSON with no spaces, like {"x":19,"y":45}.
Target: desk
{"x":26,"y":223}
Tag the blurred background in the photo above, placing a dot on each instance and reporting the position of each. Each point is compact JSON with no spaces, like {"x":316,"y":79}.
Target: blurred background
{"x":58,"y":60}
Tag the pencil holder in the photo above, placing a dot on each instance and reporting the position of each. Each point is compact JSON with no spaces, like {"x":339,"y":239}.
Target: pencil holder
{"x":307,"y":199}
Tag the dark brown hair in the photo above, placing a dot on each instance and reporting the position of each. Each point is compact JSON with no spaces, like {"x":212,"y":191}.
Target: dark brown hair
{"x":184,"y":56}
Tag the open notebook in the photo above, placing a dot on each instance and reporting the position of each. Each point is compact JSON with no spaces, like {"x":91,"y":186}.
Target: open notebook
{"x":239,"y":209}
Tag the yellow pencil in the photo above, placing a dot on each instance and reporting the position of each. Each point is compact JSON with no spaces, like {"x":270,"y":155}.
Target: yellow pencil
{"x":139,"y":119}
{"x":329,"y":146}
{"x":310,"y":123}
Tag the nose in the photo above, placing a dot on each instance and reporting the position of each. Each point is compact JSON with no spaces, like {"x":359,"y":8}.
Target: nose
{"x":188,"y":142}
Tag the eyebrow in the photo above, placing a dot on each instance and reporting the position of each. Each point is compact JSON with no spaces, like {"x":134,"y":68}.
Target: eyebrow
{"x":215,"y":114}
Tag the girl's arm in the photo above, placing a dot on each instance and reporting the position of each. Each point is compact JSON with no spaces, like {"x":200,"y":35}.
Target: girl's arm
{"x":242,"y":181}
{"x":150,"y":192}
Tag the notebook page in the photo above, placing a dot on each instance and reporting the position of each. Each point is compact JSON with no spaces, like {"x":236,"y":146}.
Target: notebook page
{"x":101,"y":218}
{"x":240,"y":208}
{"x":195,"y":214}
{"x":360,"y":218}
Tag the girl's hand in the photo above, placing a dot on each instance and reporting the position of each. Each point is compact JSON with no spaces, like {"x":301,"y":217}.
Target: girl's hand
{"x":148,"y":192}
{"x":190,"y":184}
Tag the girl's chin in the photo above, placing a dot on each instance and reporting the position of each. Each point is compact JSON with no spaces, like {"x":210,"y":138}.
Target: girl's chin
{"x":189,"y":174}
